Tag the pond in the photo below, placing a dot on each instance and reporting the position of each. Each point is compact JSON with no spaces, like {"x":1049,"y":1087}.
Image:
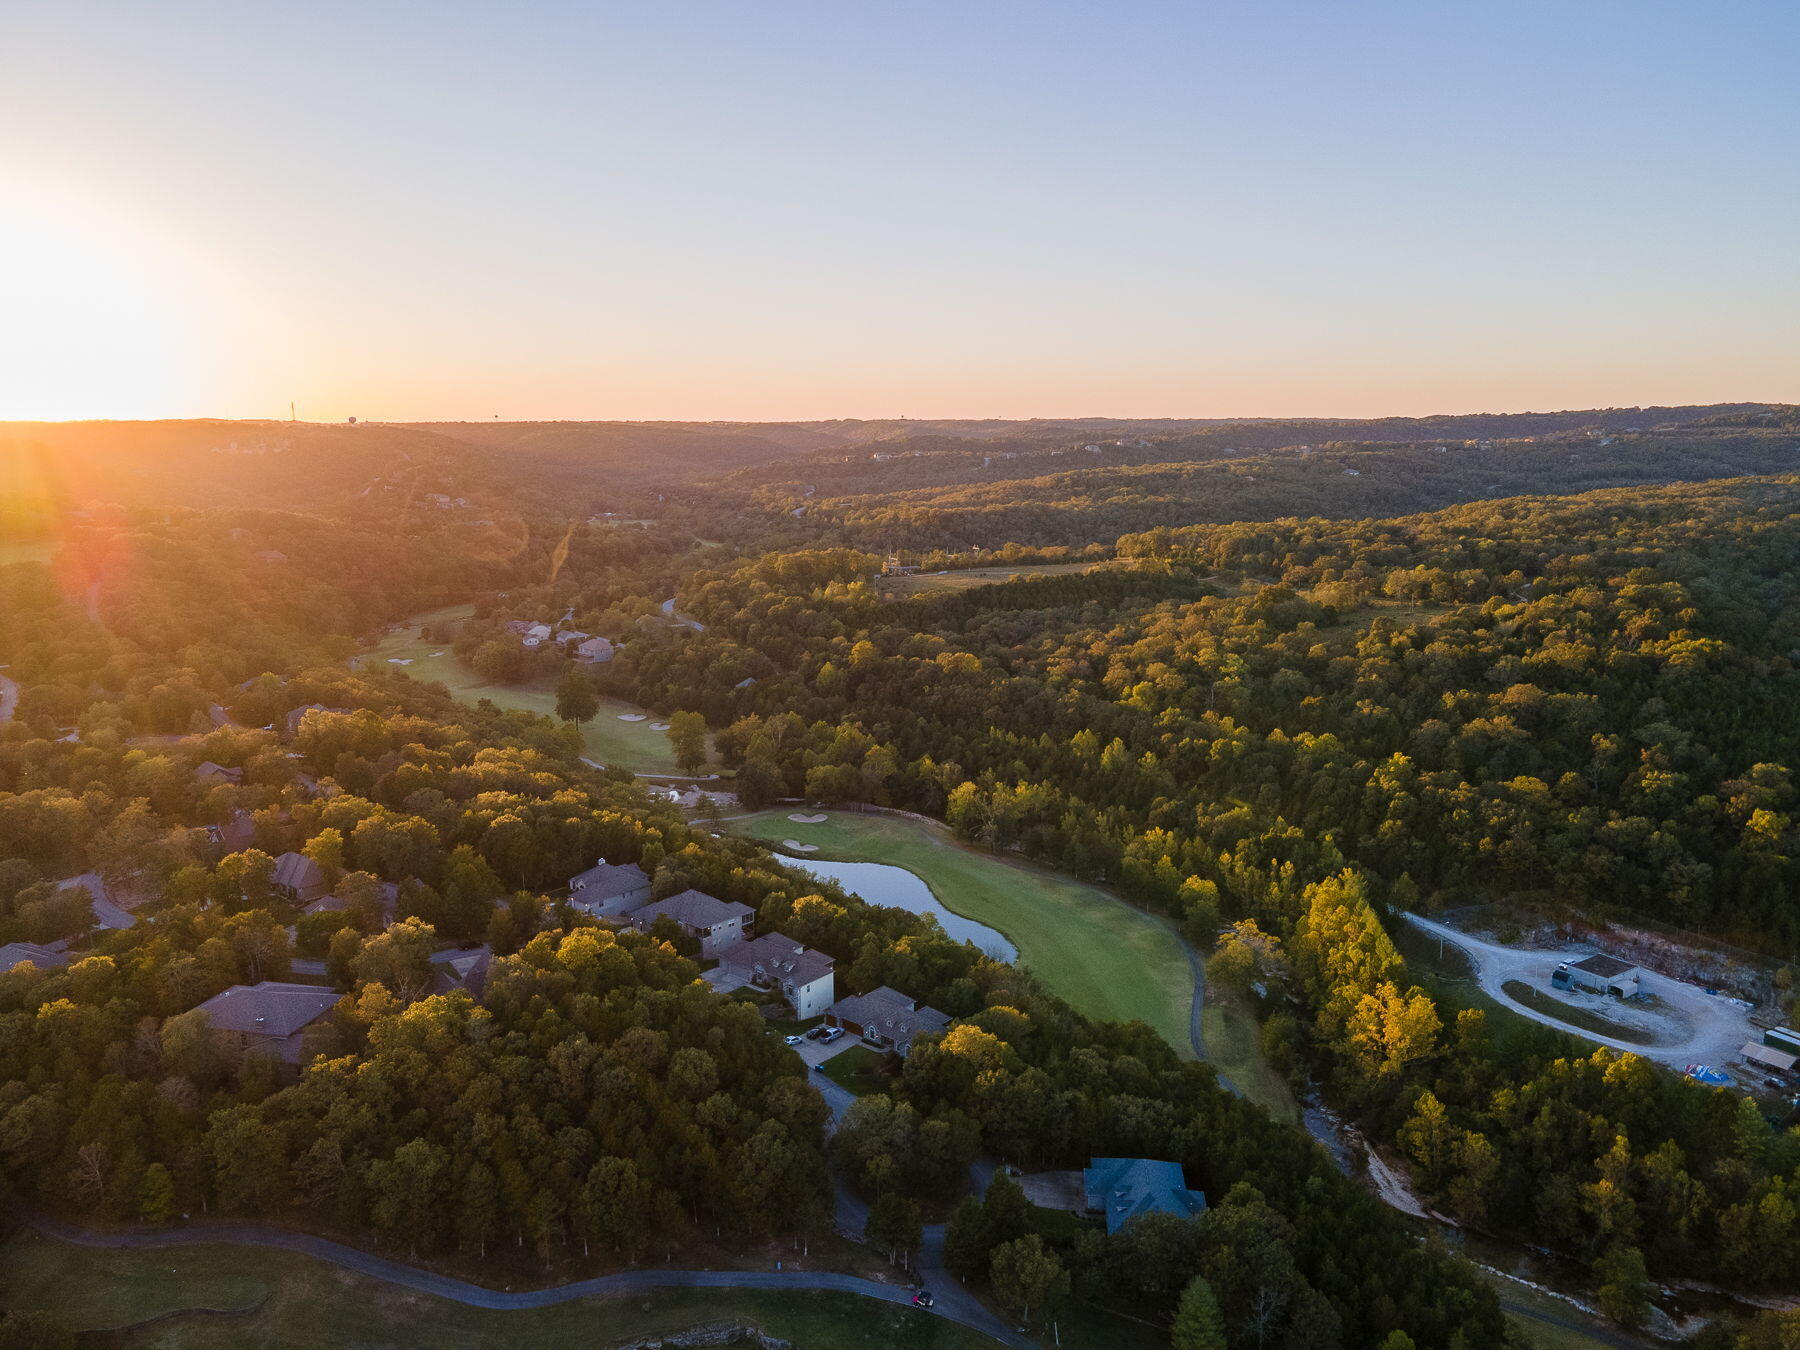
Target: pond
{"x":884,"y":884}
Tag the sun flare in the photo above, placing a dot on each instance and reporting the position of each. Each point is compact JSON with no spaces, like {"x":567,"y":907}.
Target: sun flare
{"x":93,"y":318}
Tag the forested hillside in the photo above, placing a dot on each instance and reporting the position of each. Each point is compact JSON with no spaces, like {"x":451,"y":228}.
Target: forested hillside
{"x":188,"y":733}
{"x":1584,"y":696}
{"x":1073,"y":496}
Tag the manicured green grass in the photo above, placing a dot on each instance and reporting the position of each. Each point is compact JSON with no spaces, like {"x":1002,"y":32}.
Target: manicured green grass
{"x":286,"y":1300}
{"x":857,"y":1070}
{"x":1233,"y":1044}
{"x":968,"y":579}
{"x":1088,"y":946}
{"x":630,"y":745}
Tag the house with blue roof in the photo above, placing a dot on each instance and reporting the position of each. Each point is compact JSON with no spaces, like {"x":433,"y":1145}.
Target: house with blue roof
{"x":1123,"y":1188}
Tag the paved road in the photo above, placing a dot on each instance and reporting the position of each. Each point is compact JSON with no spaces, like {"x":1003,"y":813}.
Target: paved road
{"x":1715,"y":1027}
{"x":9,"y":697}
{"x":476,"y":1296}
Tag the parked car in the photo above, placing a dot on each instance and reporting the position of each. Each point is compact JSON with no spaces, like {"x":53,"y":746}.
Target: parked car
{"x":923,"y":1299}
{"x":832,"y":1035}
{"x":817,"y":1032}
{"x":795,"y":1040}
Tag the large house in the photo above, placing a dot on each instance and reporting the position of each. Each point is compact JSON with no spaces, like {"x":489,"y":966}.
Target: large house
{"x":608,"y":890}
{"x":773,"y":961}
{"x":463,"y":968}
{"x":107,"y":913}
{"x":44,"y":956}
{"x":1123,"y":1188}
{"x":298,"y":878}
{"x":886,"y":1018}
{"x":208,"y":774}
{"x":717,"y":923}
{"x":594,"y":650}
{"x":1598,"y":975}
{"x":271,"y":1017}
{"x":234,"y":836}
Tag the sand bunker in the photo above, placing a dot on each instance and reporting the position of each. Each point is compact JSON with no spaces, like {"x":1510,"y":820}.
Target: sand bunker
{"x":799,"y":847}
{"x":801,"y":819}
{"x":659,"y":726}
{"x":400,"y":660}
{"x":631,"y":717}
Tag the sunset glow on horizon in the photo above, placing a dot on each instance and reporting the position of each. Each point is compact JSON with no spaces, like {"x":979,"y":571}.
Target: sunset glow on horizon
{"x":714,"y":212}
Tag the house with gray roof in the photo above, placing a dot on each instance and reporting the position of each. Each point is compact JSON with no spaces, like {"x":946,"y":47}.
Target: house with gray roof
{"x":803,"y":976}
{"x":1123,"y":1188}
{"x":43,"y":955}
{"x":717,"y":923}
{"x":1598,"y":975}
{"x":234,"y":836}
{"x":610,"y":890}
{"x":298,"y":878}
{"x":886,"y":1018}
{"x":270,"y":1017}
{"x":208,"y":774}
{"x":461,"y":968}
{"x":594,"y":650}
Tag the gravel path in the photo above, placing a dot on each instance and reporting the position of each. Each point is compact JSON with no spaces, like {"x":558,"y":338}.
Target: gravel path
{"x":1703,"y":1028}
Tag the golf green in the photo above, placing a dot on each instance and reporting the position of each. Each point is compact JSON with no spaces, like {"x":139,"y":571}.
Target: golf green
{"x":1086,"y":945}
{"x":630,"y":745}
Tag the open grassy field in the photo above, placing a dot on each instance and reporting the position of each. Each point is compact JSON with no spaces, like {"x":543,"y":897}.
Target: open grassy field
{"x":630,"y":745}
{"x":968,"y":578}
{"x":1232,"y":1043}
{"x":1088,"y":946}
{"x":271,"y":1298}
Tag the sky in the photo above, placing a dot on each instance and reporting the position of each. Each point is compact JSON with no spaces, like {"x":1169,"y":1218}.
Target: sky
{"x":801,"y":209}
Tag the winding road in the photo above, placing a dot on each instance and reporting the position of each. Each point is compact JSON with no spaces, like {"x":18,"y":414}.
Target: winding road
{"x":9,"y":697}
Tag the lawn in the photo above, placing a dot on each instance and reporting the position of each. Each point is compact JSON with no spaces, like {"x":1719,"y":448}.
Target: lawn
{"x":857,"y":1070}
{"x":281,"y":1299}
{"x":967,"y":579}
{"x":1233,"y":1043}
{"x":631,"y":745}
{"x":1087,"y":945}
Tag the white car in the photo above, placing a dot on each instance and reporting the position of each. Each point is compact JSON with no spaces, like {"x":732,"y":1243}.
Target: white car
{"x":795,"y":1040}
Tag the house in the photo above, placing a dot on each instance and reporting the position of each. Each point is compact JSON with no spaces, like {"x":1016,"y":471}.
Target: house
{"x":107,"y":913}
{"x":886,"y":1018}
{"x":570,"y":637}
{"x":45,"y":956}
{"x":774,"y":961}
{"x":208,"y":774}
{"x":269,"y":1017}
{"x":1123,"y":1188}
{"x":387,"y":907}
{"x":291,"y":723}
{"x":298,"y":878}
{"x":1598,"y":975}
{"x":536,"y":633}
{"x":594,"y":650}
{"x":234,"y":836}
{"x":608,"y":890}
{"x":463,"y":968}
{"x":717,"y":923}
{"x":1768,"y":1057}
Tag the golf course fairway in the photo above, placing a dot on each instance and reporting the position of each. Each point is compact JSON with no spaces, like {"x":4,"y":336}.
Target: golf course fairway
{"x":1087,"y":946}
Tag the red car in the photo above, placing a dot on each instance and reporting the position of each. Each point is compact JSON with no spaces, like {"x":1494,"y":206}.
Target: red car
{"x":923,"y":1299}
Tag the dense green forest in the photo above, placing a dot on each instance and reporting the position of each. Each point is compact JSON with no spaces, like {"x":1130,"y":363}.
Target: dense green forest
{"x":1281,"y":711}
{"x":1582,"y":696}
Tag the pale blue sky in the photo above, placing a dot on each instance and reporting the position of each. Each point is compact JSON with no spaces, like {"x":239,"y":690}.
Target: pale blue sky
{"x":794,"y":209}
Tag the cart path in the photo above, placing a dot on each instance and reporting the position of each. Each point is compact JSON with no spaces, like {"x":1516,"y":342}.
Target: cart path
{"x":476,"y":1296}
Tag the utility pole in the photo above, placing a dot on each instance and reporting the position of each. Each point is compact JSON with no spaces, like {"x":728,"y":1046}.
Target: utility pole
{"x":291,"y":415}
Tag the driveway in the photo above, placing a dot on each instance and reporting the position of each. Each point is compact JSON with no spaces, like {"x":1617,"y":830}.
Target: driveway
{"x":1700,"y":1028}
